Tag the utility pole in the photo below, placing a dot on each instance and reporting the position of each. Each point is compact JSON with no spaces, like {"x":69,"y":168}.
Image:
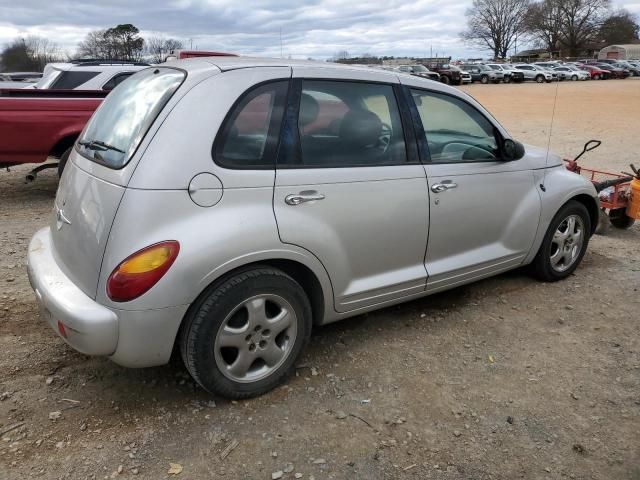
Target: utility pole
{"x":280,"y":42}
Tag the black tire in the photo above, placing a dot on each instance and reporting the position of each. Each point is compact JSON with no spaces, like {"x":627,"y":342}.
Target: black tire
{"x":619,"y":219}
{"x":541,"y":265}
{"x":63,"y":161}
{"x":540,"y":78}
{"x":507,"y":79}
{"x":207,"y":315}
{"x":574,"y":78}
{"x":444,"y":79}
{"x":596,"y":77}
{"x":484,"y":79}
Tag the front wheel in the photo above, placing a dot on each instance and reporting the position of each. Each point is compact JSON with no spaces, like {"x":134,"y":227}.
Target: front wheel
{"x":484,"y":79}
{"x":444,"y":79}
{"x":242,"y":338}
{"x":540,"y":78}
{"x":596,"y":77}
{"x":507,"y":79}
{"x":574,"y":78}
{"x":564,"y":244}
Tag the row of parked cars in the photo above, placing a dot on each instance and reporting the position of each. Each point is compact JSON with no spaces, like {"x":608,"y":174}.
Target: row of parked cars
{"x":540,"y":72}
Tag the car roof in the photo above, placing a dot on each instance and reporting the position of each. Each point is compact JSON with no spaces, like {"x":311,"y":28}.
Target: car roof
{"x":234,"y":63}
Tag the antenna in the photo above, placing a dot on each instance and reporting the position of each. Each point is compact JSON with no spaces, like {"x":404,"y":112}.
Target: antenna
{"x":553,"y":114}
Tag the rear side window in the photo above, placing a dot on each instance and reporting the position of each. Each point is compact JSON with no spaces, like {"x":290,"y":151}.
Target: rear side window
{"x":249,"y":137}
{"x":72,"y":79}
{"x":118,"y":126}
{"x":116,"y":80}
{"x":345,"y":124}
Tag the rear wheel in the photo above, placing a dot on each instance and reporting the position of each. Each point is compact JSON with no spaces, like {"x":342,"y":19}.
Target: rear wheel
{"x":564,"y":244}
{"x":242,"y":338}
{"x":484,"y":79}
{"x":574,"y":78}
{"x":63,"y":161}
{"x":596,"y":77}
{"x":619,"y":219}
{"x":540,"y":78}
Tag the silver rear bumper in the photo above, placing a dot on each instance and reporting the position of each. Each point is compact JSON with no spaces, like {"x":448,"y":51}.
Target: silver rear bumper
{"x":88,"y":326}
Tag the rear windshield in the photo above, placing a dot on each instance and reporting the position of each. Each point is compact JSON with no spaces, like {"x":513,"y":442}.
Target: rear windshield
{"x":121,"y":122}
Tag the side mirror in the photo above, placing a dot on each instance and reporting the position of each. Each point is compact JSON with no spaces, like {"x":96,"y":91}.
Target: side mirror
{"x":513,"y":150}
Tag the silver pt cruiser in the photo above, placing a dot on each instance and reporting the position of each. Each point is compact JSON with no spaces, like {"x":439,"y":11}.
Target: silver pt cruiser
{"x":226,"y":205}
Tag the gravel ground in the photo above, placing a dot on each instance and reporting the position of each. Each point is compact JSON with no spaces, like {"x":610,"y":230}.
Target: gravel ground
{"x":503,"y":379}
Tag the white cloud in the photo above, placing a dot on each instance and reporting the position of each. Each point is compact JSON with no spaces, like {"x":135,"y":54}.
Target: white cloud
{"x":316,"y":28}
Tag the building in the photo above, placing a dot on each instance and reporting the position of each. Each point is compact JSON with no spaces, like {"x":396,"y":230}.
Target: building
{"x":629,"y":51}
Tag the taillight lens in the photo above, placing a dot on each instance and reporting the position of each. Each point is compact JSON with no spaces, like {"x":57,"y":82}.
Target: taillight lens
{"x":141,"y":271}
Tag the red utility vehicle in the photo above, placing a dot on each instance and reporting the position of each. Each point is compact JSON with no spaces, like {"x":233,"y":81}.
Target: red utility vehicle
{"x":595,"y":72}
{"x":37,"y":124}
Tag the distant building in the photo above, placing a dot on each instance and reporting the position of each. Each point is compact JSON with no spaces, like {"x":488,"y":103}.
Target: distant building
{"x":413,"y":60}
{"x":629,"y":51}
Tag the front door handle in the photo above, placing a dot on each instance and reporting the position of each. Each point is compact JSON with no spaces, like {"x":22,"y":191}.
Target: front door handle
{"x":302,"y":197}
{"x":443,"y":187}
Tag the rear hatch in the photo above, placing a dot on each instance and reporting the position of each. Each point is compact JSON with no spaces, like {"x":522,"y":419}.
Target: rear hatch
{"x":88,"y":198}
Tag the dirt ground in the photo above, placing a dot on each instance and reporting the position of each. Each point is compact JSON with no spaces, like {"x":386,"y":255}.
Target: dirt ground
{"x":503,"y":379}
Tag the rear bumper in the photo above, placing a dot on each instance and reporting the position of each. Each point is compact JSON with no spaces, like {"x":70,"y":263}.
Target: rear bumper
{"x":88,"y":326}
{"x":131,"y":338}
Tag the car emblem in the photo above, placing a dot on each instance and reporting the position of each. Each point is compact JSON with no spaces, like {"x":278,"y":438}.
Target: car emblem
{"x":61,"y":218}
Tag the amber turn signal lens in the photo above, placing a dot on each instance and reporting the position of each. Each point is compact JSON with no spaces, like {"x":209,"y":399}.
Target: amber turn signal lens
{"x":141,"y":271}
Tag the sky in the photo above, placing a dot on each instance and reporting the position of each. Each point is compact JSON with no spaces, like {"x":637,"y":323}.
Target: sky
{"x":305,"y":28}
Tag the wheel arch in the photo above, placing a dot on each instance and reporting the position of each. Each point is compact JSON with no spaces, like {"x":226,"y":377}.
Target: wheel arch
{"x":592,"y":207}
{"x":316,"y":292}
{"x":63,"y":144}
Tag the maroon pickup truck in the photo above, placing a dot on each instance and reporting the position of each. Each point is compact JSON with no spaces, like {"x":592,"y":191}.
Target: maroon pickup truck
{"x":38,"y":124}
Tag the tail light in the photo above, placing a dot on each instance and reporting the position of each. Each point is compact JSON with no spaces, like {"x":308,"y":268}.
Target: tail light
{"x":141,"y":271}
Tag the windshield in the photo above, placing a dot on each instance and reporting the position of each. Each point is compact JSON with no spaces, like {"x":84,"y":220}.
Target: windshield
{"x":419,"y":68}
{"x":118,"y":126}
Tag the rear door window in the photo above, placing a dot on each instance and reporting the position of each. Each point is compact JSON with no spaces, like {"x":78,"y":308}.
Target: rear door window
{"x":118,"y":126}
{"x":349,"y":124}
{"x":72,"y":79}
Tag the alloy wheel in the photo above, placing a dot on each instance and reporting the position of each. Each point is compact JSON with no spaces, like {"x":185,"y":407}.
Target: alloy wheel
{"x":566,"y":243}
{"x":256,"y":338}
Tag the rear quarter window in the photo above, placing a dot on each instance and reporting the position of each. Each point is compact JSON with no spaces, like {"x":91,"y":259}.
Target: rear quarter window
{"x":118,"y":126}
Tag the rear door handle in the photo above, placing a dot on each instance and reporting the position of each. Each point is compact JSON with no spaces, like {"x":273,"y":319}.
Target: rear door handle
{"x":302,"y":197}
{"x":444,"y":186}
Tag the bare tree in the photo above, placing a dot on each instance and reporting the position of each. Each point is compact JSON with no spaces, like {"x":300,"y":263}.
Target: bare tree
{"x":581,"y":22}
{"x":157,"y":47}
{"x":31,"y":53}
{"x":544,"y":23}
{"x":495,"y":24}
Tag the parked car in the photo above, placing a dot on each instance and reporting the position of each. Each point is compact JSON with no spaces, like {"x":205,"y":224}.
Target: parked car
{"x":614,"y":72}
{"x":184,"y":54}
{"x":482,"y":73}
{"x":87,"y":74}
{"x":535,"y":73}
{"x":419,"y":71}
{"x":38,"y":124}
{"x":125,"y":271}
{"x":571,"y":72}
{"x":510,"y":74}
{"x":595,"y":72}
{"x":18,"y":79}
{"x":449,"y":74}
{"x":466,"y":77}
{"x":633,"y":70}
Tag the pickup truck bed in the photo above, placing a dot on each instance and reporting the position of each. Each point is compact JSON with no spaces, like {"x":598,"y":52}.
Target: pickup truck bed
{"x":37,"y":124}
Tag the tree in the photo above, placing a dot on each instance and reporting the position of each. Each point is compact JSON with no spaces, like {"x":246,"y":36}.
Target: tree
{"x":157,"y":47}
{"x":581,"y":21}
{"x":122,"y":42}
{"x":620,"y":27}
{"x":543,"y":22}
{"x":495,"y":24}
{"x":29,"y":54}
